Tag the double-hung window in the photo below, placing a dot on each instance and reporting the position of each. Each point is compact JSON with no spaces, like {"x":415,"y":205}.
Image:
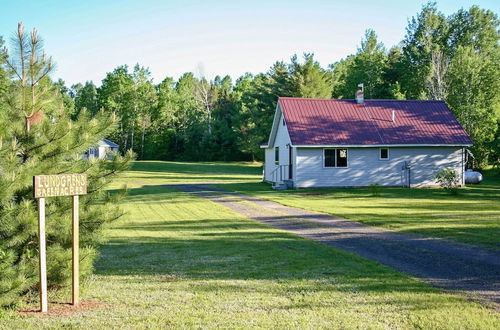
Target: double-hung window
{"x":335,"y":157}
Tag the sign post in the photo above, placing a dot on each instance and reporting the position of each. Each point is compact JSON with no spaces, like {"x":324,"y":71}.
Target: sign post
{"x":52,"y":186}
{"x":76,"y":258}
{"x":42,"y":257}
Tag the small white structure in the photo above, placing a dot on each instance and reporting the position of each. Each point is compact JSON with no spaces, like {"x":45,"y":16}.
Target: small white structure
{"x":355,"y":143}
{"x":101,"y":150}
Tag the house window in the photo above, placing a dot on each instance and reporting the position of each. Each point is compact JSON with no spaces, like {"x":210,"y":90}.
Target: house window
{"x":329,"y":158}
{"x":335,"y":157}
{"x":277,"y":155}
{"x":341,"y":158}
{"x":384,"y":154}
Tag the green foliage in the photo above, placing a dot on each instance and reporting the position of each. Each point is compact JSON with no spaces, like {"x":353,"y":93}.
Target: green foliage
{"x":85,"y":97}
{"x":426,"y":34}
{"x":448,"y":179}
{"x":368,"y":66}
{"x":37,"y":136}
{"x":309,"y":79}
{"x":454,"y":58}
{"x":474,"y":98}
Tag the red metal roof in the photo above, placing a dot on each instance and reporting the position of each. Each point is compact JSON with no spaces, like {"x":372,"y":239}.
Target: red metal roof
{"x":345,"y":122}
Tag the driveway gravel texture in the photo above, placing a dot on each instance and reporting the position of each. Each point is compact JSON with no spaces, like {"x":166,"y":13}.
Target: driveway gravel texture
{"x":456,"y":267}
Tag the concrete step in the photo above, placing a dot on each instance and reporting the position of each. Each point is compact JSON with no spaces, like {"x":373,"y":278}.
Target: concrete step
{"x":280,"y":186}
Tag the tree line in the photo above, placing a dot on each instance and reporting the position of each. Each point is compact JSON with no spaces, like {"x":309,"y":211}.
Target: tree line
{"x":453,"y":58}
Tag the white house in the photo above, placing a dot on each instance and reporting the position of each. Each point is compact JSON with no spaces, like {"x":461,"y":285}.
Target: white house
{"x":352,"y":143}
{"x":101,"y":150}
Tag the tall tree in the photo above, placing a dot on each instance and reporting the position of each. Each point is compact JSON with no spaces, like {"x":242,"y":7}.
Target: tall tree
{"x":144,"y":103}
{"x":475,"y":98}
{"x":426,"y":35}
{"x":368,"y":67}
{"x":115,"y":95}
{"x":309,"y":79}
{"x":85,"y":97}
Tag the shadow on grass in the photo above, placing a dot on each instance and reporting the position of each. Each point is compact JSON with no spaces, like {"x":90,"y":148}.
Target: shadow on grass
{"x":227,"y":248}
{"x":209,"y":247}
{"x":254,"y":256}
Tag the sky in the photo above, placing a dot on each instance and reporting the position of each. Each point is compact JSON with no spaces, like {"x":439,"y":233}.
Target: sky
{"x":89,"y":38}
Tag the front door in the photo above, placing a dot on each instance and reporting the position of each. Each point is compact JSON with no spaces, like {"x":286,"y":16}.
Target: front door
{"x":290,"y":162}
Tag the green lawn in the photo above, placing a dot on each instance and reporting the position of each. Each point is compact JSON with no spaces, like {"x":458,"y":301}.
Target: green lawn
{"x":180,"y":261}
{"x":156,"y":172}
{"x":472,"y":216}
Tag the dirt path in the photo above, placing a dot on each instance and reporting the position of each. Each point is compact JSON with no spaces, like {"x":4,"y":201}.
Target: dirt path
{"x":453,"y":266}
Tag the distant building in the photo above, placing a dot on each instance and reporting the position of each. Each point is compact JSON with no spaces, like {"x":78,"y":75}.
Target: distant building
{"x":339,"y":143}
{"x":101,"y":150}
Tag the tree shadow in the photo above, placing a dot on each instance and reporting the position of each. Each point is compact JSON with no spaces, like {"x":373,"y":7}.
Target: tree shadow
{"x":213,"y":248}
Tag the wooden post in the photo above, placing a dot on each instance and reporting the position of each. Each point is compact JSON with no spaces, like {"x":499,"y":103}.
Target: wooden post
{"x":52,"y":186}
{"x":42,"y":258}
{"x":76,"y":258}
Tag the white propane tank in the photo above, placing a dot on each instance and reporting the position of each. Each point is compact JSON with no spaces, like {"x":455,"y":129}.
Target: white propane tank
{"x":473,"y":177}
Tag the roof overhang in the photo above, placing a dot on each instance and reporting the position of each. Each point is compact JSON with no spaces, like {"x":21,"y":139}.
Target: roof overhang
{"x":274,"y":128}
{"x":376,"y":145}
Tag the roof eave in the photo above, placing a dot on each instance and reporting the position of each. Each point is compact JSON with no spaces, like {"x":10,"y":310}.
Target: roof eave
{"x":379,"y":145}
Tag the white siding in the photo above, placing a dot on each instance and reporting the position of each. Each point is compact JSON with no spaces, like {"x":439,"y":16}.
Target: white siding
{"x":282,"y":141}
{"x":364,"y":166}
{"x":268,"y":163}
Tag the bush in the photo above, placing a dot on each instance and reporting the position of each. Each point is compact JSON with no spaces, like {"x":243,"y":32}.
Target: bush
{"x":448,"y":179}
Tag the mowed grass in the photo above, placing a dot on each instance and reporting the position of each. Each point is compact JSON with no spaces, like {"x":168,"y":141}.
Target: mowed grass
{"x":472,"y":216}
{"x":179,"y":261}
{"x":158,"y":172}
{"x":183,"y":262}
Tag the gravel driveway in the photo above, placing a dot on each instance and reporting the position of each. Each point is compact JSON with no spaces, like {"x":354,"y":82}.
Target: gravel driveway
{"x":462,"y":268}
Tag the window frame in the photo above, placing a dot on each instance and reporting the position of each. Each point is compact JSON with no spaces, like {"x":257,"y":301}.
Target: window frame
{"x":335,"y":158}
{"x":276,"y":155}
{"x":380,"y":154}
{"x":346,"y":158}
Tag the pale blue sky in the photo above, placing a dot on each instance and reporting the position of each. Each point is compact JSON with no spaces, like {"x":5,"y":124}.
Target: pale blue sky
{"x":89,"y":38}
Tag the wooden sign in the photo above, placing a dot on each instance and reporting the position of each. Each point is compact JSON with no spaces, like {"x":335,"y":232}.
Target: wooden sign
{"x":52,"y":186}
{"x":60,"y":185}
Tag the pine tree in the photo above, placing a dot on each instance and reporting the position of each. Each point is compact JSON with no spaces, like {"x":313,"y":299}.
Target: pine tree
{"x":310,"y":79}
{"x":39,"y":137}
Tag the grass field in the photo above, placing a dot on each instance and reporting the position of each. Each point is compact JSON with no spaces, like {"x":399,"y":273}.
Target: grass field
{"x":155,"y":172}
{"x":176,"y":260}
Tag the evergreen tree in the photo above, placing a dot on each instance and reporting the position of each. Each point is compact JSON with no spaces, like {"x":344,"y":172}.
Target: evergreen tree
{"x":309,"y":79}
{"x":368,"y":67}
{"x":38,"y":137}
